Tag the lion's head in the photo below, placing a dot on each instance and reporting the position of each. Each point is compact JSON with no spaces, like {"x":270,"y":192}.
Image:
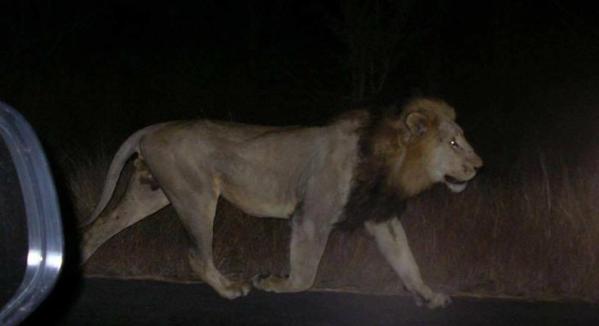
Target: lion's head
{"x":436,"y":149}
{"x":402,"y":155}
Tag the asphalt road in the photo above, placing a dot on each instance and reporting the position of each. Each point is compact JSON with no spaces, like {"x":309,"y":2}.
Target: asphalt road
{"x":114,"y":302}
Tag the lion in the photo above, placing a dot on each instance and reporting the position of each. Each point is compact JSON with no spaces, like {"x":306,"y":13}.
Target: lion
{"x":357,"y":171}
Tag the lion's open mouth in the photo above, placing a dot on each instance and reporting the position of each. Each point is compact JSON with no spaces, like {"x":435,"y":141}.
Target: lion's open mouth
{"x":451,"y":180}
{"x":454,"y":184}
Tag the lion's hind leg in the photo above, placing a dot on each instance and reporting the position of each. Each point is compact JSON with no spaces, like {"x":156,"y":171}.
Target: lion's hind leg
{"x":141,"y":199}
{"x":196,"y":207}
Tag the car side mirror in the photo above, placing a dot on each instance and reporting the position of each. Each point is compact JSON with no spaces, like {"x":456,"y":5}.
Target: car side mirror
{"x":31,"y":237}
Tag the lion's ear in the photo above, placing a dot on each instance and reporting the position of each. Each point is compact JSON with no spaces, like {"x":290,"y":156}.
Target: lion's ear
{"x":417,"y":123}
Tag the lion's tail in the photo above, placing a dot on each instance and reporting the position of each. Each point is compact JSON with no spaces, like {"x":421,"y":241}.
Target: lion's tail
{"x":127,"y":149}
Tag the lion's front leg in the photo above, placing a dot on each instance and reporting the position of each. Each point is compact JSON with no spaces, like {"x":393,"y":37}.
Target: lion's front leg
{"x":391,"y":240}
{"x":308,"y":241}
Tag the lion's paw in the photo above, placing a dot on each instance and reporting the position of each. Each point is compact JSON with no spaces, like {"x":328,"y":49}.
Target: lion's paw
{"x":267,"y":282}
{"x":235,"y":290}
{"x":438,"y":300}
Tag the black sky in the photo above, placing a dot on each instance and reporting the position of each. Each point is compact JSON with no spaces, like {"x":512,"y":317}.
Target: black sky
{"x":82,"y":66}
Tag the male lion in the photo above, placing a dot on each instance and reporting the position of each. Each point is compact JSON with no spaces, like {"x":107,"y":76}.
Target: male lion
{"x":356,"y":171}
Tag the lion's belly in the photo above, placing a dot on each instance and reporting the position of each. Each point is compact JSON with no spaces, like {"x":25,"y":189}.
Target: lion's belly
{"x":260,"y":207}
{"x":261,"y":203}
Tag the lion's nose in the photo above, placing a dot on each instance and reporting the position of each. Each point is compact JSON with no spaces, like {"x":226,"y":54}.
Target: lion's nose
{"x":478,"y":164}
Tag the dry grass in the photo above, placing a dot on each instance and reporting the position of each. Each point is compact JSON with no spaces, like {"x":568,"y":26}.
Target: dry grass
{"x":85,"y":178}
{"x":531,"y":232}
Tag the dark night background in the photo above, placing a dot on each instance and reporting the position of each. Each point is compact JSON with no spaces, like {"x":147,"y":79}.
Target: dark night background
{"x":523,"y":76}
{"x":81,"y":72}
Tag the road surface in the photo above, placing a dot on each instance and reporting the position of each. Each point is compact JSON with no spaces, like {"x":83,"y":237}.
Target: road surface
{"x":115,"y":302}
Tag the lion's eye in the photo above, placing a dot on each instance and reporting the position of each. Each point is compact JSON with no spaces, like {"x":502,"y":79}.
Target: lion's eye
{"x":454,"y":143}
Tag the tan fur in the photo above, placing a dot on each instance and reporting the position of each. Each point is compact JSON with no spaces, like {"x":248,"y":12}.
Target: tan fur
{"x":432,"y":107}
{"x":317,"y":176}
{"x":414,"y":174}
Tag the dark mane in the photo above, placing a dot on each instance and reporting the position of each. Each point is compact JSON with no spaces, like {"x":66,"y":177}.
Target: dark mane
{"x":371,"y":198}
